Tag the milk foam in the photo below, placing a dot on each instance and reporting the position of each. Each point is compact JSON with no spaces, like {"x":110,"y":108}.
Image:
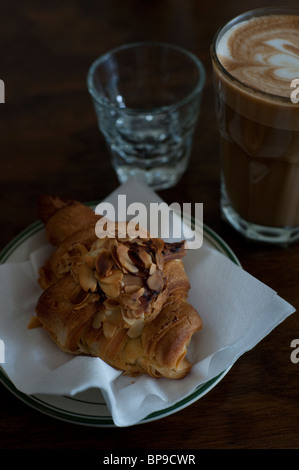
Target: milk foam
{"x":263,"y":52}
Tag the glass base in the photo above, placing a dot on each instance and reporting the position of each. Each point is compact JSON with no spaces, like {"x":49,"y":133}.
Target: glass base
{"x":156,"y":178}
{"x":279,"y":236}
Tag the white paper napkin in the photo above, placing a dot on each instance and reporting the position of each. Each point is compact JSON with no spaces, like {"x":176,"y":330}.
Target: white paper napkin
{"x":237,"y":311}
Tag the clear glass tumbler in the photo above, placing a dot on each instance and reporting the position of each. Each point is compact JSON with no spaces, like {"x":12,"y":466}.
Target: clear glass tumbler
{"x":147,"y":100}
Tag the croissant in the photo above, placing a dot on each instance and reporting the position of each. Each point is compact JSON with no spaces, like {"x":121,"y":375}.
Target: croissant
{"x":121,"y":299}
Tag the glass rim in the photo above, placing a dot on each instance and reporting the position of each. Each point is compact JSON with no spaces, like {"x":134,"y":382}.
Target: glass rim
{"x":263,"y":11}
{"x":164,"y":108}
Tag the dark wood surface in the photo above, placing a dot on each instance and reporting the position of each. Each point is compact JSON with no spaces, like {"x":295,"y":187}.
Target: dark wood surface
{"x":49,"y":142}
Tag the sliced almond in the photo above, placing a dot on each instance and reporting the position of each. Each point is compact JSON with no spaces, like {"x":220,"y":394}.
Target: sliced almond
{"x":140,"y":257}
{"x":112,"y":290}
{"x":137,"y":294}
{"x":114,"y":278}
{"x":146,"y":258}
{"x":139,"y":312}
{"x":152,"y":269}
{"x":158,"y":243}
{"x":115,"y":257}
{"x":86,"y":278}
{"x":77,"y":250}
{"x":136,"y":329}
{"x":80,"y":299}
{"x":132,"y":280}
{"x":104,"y":263}
{"x":90,"y":261}
{"x":98,"y":244}
{"x":129,"y":321}
{"x":98,"y":319}
{"x":130,"y":289}
{"x":155,"y":282}
{"x":128,"y":302}
{"x":111,"y":304}
{"x":102,"y":244}
{"x":124,"y":259}
{"x":159,"y":260}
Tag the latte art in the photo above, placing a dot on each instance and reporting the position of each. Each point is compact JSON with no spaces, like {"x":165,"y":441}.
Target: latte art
{"x":263,"y":52}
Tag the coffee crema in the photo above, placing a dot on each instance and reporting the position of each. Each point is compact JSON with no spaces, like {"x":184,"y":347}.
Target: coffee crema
{"x":263,"y":52}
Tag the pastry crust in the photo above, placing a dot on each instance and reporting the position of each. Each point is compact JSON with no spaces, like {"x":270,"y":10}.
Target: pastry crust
{"x":121,"y":299}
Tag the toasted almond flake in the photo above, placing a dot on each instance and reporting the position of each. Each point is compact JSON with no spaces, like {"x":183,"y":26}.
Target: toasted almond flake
{"x":136,"y":329}
{"x":77,"y":250}
{"x":111,"y":304}
{"x":138,"y":293}
{"x":104,"y":263}
{"x":152,"y":269}
{"x":155,"y":282}
{"x":129,"y":321}
{"x":80,"y":305}
{"x":132,"y":279}
{"x":98,"y":244}
{"x":159,"y":260}
{"x":114,"y":278}
{"x":128,"y":302}
{"x":90,"y":261}
{"x":86,"y":278}
{"x":112,"y":290}
{"x":146,"y":258}
{"x":158,"y":243}
{"x":140,"y":257}
{"x":80,"y":298}
{"x":124,"y":259}
{"x":115,"y":257}
{"x":130,"y":289}
{"x":98,"y":319}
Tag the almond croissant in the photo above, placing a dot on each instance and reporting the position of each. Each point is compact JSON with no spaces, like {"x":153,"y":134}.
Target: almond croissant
{"x":121,"y":299}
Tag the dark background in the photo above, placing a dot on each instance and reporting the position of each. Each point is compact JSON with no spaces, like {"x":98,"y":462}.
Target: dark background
{"x":49,"y":142}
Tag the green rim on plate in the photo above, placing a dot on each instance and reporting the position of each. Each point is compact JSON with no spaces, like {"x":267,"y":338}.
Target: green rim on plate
{"x":43,"y":404}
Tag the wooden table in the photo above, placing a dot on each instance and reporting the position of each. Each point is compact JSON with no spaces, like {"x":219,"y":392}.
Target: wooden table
{"x":50,"y":143}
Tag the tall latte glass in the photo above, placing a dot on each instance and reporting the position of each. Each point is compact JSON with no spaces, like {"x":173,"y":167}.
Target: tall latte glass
{"x":255,"y":61}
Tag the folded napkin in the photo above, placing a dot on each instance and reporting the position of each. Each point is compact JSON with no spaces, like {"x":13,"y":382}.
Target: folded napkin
{"x":237,"y":311}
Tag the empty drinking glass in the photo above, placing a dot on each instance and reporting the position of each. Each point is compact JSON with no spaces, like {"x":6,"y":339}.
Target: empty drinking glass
{"x":147,"y":100}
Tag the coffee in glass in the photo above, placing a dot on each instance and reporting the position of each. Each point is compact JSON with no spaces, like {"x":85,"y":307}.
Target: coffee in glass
{"x":255,"y":61}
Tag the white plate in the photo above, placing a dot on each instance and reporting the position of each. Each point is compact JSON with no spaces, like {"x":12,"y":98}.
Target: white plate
{"x":89,"y":407}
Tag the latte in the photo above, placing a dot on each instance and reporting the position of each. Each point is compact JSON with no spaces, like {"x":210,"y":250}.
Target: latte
{"x":255,"y":59}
